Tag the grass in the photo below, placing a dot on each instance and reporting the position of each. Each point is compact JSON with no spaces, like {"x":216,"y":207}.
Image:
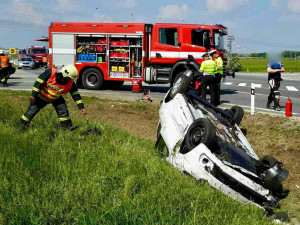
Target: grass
{"x":52,"y":176}
{"x":260,"y":65}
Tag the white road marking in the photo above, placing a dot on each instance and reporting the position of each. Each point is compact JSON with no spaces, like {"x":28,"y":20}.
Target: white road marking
{"x":228,"y":83}
{"x":257,"y":85}
{"x":291,"y":88}
{"x":242,"y":84}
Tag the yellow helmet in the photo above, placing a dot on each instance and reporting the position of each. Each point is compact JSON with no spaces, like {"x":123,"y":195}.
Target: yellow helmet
{"x":70,"y":71}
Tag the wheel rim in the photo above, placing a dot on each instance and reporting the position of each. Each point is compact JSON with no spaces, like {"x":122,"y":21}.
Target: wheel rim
{"x":92,"y":79}
{"x":197,"y":135}
{"x":176,"y":85}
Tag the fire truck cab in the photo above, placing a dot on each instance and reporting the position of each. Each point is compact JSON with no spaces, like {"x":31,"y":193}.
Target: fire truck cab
{"x":111,"y":53}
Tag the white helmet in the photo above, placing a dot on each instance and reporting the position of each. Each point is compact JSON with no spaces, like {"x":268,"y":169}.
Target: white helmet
{"x":1,"y":51}
{"x":70,"y":71}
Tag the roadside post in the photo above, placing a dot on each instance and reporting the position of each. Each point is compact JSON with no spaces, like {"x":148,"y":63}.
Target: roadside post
{"x":252,"y":98}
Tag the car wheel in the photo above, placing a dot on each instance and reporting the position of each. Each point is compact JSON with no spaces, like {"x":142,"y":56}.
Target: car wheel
{"x":200,"y":131}
{"x":92,"y":79}
{"x":181,"y":85}
{"x":238,"y":114}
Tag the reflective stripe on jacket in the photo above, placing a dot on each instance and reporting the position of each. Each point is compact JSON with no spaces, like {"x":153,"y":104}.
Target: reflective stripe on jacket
{"x":219,"y":63}
{"x":208,"y":67}
{"x":53,"y":90}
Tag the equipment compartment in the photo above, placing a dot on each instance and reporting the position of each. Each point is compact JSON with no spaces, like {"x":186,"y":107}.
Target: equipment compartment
{"x":125,"y":57}
{"x":91,"y":49}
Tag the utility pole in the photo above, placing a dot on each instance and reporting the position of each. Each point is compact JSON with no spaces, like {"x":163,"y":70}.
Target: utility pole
{"x":230,"y":39}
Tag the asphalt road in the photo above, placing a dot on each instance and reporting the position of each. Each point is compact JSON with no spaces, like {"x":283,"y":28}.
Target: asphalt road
{"x":234,"y":91}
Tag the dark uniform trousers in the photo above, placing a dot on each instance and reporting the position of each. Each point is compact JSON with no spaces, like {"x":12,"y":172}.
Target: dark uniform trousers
{"x":218,"y":78}
{"x":209,"y":80}
{"x":274,"y":92}
{"x":60,"y":108}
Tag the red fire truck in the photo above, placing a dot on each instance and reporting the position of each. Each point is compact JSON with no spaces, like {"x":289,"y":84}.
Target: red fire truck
{"x":39,"y":52}
{"x":111,"y":53}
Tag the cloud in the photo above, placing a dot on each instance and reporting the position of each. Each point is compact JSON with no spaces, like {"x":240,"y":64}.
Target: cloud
{"x":294,"y":5}
{"x":173,"y":11}
{"x":27,"y":12}
{"x":223,"y":5}
{"x":63,"y":3}
{"x":102,"y":18}
{"x":129,"y":4}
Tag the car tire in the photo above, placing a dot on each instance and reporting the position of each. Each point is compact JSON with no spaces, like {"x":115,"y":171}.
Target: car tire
{"x":238,"y":114}
{"x":181,"y":85}
{"x":92,"y":79}
{"x":200,"y":131}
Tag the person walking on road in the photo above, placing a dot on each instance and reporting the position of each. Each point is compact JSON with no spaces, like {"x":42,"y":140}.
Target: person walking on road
{"x":4,"y":73}
{"x":218,"y":75}
{"x":49,"y":88}
{"x":208,"y":69}
{"x":274,"y":69}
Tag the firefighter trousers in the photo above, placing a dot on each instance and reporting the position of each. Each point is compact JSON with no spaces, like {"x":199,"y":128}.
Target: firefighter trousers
{"x":60,"y":108}
{"x":209,"y":80}
{"x":4,"y":76}
{"x":274,"y":92}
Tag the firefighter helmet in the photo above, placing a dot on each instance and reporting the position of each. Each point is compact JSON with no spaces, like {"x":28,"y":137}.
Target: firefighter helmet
{"x":70,"y":71}
{"x":1,"y":51}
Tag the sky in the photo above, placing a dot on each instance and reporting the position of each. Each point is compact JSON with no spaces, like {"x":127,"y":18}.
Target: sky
{"x":257,"y":25}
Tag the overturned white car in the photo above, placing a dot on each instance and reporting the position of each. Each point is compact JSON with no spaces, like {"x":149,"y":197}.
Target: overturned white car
{"x":207,"y":143}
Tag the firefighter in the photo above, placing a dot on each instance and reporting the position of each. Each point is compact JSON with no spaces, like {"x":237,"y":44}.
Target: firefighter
{"x":4,"y":72}
{"x":208,"y":70}
{"x":218,"y":75}
{"x":49,"y":88}
{"x":274,"y":69}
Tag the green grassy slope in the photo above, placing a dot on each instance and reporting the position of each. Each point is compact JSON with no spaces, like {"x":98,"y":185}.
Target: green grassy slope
{"x":260,"y":65}
{"x":48,"y":175}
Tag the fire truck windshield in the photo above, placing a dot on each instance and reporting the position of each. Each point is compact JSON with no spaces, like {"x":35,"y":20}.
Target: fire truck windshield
{"x":219,"y":40}
{"x":39,"y":51}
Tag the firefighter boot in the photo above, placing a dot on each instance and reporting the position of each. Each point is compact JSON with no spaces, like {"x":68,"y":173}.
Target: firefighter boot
{"x":23,"y":125}
{"x":66,"y":125}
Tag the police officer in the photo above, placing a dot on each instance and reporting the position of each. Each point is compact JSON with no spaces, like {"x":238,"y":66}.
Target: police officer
{"x":219,"y":73}
{"x":49,"y":88}
{"x":274,"y":69}
{"x":4,"y":68}
{"x":208,"y":69}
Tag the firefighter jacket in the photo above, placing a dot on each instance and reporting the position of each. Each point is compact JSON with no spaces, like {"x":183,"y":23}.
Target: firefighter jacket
{"x":208,"y":67}
{"x":219,"y":63}
{"x":4,"y":61}
{"x":47,"y":88}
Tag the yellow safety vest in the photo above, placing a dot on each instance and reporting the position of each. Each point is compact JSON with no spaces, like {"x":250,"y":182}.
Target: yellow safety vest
{"x":209,"y":67}
{"x":219,"y":62}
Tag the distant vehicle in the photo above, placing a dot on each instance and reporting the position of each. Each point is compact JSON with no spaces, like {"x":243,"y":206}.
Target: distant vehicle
{"x":26,"y":62}
{"x":39,"y":52}
{"x":36,"y":61}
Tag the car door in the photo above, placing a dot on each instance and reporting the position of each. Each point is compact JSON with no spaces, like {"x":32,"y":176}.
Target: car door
{"x":165,"y":44}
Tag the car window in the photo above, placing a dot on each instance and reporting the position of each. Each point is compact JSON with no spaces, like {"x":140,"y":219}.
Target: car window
{"x":26,"y":59}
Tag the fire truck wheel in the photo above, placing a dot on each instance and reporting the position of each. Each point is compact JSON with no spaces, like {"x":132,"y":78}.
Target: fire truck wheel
{"x":92,"y":79}
{"x":181,"y":85}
